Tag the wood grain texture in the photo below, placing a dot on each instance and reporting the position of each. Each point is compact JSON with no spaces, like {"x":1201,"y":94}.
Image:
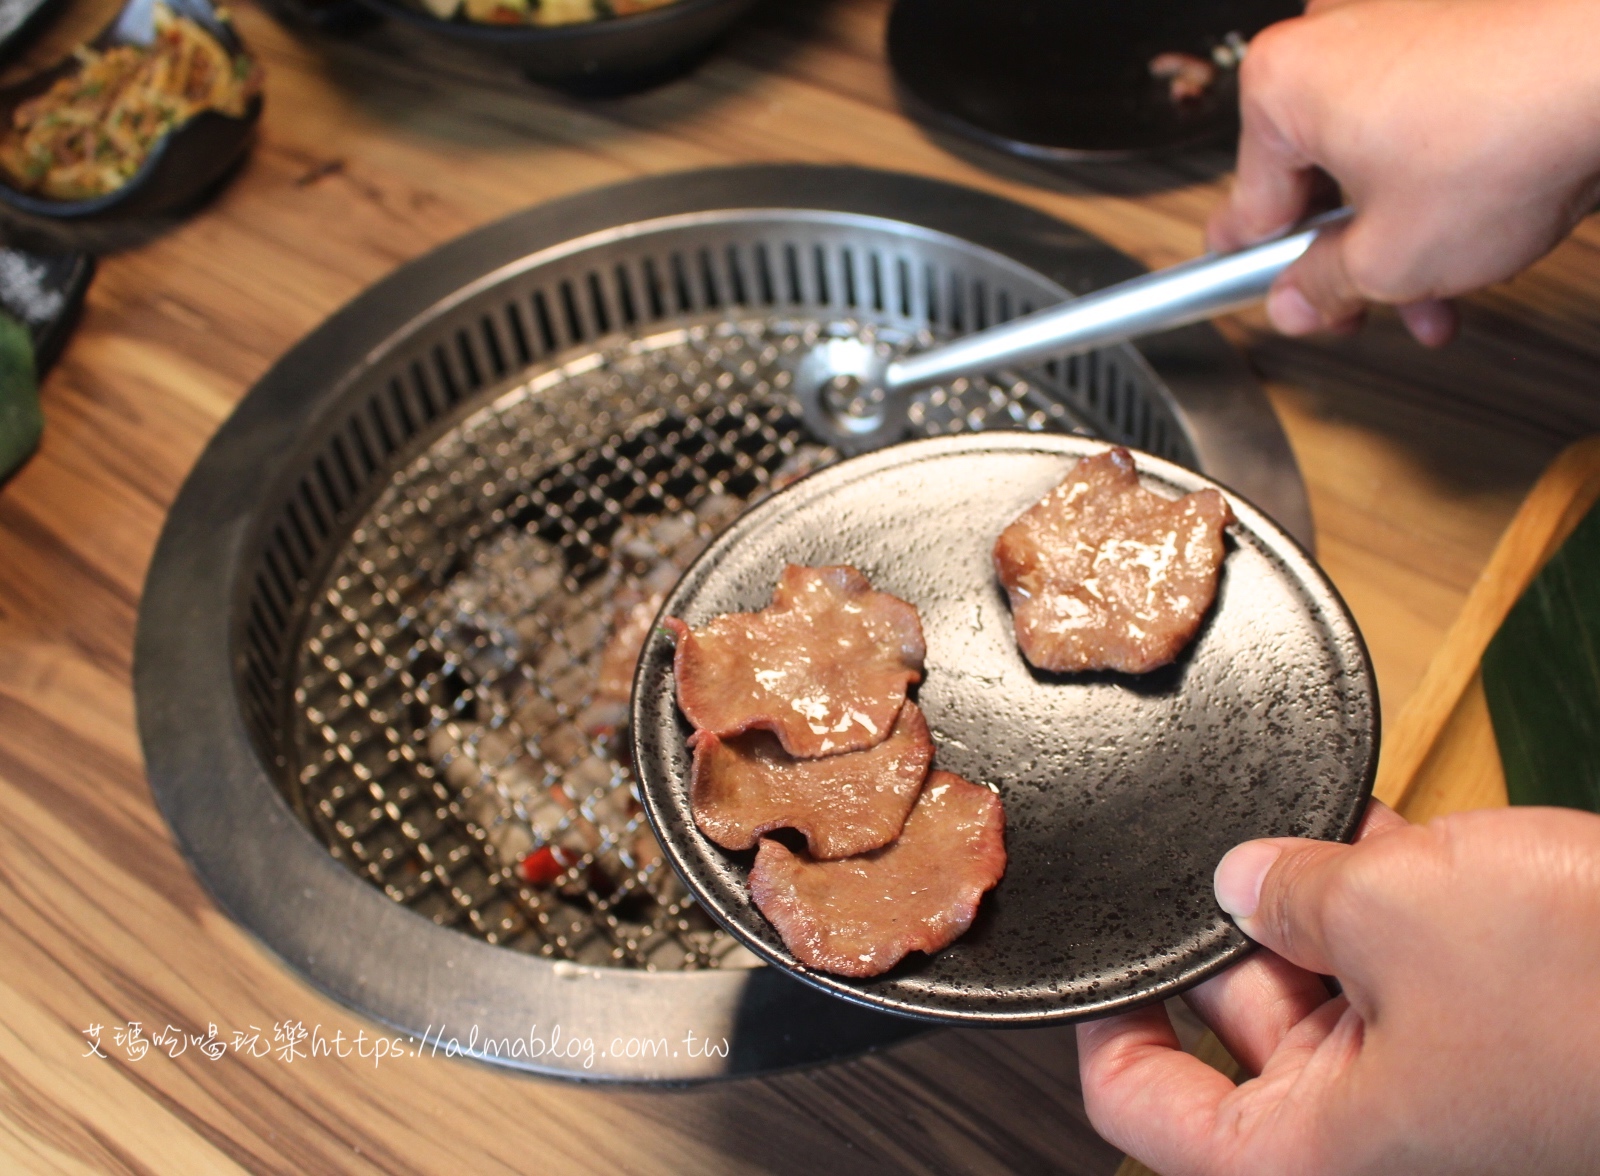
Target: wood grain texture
{"x":370,"y":154}
{"x":1441,"y":756}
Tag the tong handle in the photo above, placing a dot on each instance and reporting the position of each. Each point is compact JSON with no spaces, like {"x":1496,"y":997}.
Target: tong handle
{"x":1175,"y":297}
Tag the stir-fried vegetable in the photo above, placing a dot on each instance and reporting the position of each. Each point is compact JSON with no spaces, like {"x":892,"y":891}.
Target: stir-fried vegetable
{"x":90,"y":132}
{"x":540,"y":12}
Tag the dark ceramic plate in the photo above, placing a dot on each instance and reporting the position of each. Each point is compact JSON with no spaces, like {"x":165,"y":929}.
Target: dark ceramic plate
{"x":1121,"y":793}
{"x":1070,"y":79}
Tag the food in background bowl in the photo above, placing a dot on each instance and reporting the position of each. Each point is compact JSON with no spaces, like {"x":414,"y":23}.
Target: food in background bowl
{"x":539,"y":12}
{"x":91,"y":131}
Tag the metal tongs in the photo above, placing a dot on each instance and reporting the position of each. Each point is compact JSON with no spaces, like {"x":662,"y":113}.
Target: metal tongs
{"x":854,"y":396}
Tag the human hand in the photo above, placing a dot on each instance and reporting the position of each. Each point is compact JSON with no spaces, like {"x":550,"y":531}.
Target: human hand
{"x":1466,"y":133}
{"x":1467,"y":1039}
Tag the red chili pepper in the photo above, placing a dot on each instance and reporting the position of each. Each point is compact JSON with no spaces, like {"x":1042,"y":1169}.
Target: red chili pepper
{"x":543,"y":866}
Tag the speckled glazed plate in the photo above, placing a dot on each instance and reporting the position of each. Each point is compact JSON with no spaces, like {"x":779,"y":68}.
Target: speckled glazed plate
{"x":1121,"y":793}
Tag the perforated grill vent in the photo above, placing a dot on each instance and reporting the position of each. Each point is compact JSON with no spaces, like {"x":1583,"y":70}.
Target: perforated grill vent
{"x":781,"y":278}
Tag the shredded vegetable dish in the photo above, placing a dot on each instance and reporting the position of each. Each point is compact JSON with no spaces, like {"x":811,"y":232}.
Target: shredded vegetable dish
{"x":539,"y":12}
{"x":91,"y":131}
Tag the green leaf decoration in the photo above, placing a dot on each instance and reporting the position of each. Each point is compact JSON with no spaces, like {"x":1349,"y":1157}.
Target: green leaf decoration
{"x":1541,"y":674}
{"x":20,"y":421}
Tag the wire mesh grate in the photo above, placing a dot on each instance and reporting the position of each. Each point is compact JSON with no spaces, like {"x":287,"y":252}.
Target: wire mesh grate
{"x":460,"y":691}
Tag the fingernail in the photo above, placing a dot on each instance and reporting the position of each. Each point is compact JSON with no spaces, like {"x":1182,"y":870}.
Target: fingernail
{"x":1240,"y":874}
{"x":1291,"y":313}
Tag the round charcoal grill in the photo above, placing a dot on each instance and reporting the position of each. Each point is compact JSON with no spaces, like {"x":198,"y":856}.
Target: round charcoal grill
{"x":383,"y":652}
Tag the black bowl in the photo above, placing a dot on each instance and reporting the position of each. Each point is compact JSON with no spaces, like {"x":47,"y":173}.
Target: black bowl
{"x":183,"y":168}
{"x":596,"y":57}
{"x":1069,"y":80}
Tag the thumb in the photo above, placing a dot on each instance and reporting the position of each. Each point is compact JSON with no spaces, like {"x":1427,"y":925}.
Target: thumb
{"x":1280,"y":892}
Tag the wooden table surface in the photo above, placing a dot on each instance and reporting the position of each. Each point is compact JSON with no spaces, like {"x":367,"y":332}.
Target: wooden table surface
{"x":1415,"y":462}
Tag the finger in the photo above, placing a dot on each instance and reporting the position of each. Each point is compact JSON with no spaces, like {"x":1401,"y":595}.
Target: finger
{"x":1333,"y":1017}
{"x":1316,"y":293}
{"x":1145,"y":1095}
{"x":1279,"y":891}
{"x":1254,"y":1005}
{"x":1379,"y":818}
{"x":1271,"y":191}
{"x":1275,"y":180}
{"x":1432,"y":322}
